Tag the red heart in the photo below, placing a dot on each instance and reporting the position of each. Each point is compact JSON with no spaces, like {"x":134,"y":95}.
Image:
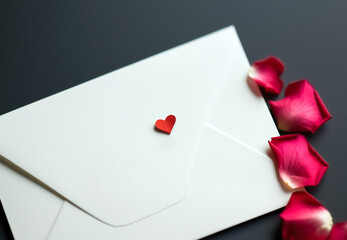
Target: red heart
{"x":167,"y":124}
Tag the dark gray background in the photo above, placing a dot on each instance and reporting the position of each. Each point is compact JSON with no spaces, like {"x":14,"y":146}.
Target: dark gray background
{"x":49,"y":46}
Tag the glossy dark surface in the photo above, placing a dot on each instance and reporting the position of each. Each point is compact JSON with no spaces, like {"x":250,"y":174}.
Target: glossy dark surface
{"x":49,"y":46}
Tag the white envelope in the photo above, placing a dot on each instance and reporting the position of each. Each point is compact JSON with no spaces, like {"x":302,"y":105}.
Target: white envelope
{"x":94,"y":147}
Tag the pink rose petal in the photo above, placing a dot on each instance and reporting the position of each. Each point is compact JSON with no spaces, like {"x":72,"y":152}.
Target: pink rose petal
{"x":302,"y":110}
{"x":298,"y":163}
{"x":304,"y":218}
{"x":266,"y":74}
{"x":339,"y":231}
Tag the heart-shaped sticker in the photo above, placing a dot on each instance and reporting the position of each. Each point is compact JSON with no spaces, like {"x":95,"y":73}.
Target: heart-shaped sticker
{"x":167,"y":124}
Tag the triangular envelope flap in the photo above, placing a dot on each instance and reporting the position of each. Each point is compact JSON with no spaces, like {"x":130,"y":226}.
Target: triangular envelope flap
{"x":95,"y":143}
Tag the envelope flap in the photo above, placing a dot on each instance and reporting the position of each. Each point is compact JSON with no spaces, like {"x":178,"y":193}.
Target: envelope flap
{"x":95,"y":144}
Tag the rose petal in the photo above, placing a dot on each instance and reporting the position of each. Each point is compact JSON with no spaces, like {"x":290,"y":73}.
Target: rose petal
{"x":339,"y":231}
{"x":305,"y":218}
{"x":266,"y":74}
{"x":302,"y":110}
{"x":298,"y":163}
